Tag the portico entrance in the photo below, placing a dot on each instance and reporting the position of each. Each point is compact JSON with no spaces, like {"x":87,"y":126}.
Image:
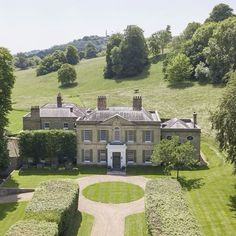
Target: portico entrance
{"x":116,"y":160}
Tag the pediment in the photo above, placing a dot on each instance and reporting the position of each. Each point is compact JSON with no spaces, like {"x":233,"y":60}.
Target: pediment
{"x":116,"y":120}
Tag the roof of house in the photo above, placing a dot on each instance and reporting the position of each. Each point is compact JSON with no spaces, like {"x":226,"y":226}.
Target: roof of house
{"x":67,"y":110}
{"x":176,"y":123}
{"x":125,"y":112}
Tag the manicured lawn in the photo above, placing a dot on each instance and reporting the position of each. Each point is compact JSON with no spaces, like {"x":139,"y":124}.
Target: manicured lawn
{"x":86,"y":225}
{"x":10,"y":213}
{"x":113,"y":192}
{"x":170,"y":102}
{"x":30,"y":178}
{"x":135,"y":225}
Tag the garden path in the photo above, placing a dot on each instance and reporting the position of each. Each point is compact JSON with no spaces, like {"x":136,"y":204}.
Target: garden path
{"x":110,"y":218}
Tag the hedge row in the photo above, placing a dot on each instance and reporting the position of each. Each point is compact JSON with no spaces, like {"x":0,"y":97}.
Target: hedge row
{"x":166,"y":210}
{"x":33,"y":228}
{"x":50,"y":145}
{"x":54,"y":201}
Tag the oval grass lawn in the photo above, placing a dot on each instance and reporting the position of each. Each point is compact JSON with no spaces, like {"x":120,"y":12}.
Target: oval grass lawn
{"x":113,"y":192}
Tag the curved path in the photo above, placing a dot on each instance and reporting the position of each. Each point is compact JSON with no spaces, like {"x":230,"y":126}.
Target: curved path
{"x":110,"y":218}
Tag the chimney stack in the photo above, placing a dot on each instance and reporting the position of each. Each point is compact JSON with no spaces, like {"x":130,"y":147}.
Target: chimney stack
{"x":59,"y":100}
{"x":35,"y":112}
{"x":137,"y":103}
{"x":194,"y":119}
{"x":102,"y":103}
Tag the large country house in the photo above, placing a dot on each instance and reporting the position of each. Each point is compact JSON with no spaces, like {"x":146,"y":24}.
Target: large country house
{"x":113,"y":136}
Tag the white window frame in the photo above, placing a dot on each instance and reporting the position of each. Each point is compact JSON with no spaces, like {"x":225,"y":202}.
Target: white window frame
{"x":145,"y":155}
{"x":84,"y":135}
{"x":65,"y":125}
{"x":103,"y":152}
{"x":130,"y":133}
{"x":145,"y":136}
{"x":44,"y":125}
{"x":87,"y":155}
{"x":128,"y":153}
{"x":100,"y":135}
{"x":117,"y":129}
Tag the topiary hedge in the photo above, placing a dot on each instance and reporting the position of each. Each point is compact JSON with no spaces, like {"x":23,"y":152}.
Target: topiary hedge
{"x":166,"y":210}
{"x":49,"y":145}
{"x":33,"y":228}
{"x":54,"y":201}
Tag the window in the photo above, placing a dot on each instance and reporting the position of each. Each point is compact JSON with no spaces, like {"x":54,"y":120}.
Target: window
{"x":148,"y":136}
{"x":117,"y":134}
{"x":102,"y":156}
{"x":131,"y":136}
{"x":103,"y":135}
{"x":87,"y":155}
{"x":87,"y":135}
{"x":190,"y":138}
{"x":46,"y":125}
{"x":147,"y":156}
{"x":65,"y":126}
{"x":131,"y":156}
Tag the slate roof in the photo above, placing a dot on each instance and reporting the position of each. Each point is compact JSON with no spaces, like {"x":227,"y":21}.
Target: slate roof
{"x":178,"y":124}
{"x":125,"y":112}
{"x":51,"y":110}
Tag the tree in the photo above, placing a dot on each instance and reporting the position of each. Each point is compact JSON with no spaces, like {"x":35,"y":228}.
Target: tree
{"x":66,"y":74}
{"x":81,"y":55}
{"x":190,"y":30}
{"x":90,"y":51}
{"x":174,"y":155}
{"x":21,"y":61}
{"x":224,"y":121}
{"x":7,"y":80}
{"x":202,"y":72}
{"x":154,"y":44}
{"x":116,"y":61}
{"x":133,"y":51}
{"x":220,"y":12}
{"x":114,"y":41}
{"x":178,"y":68}
{"x":164,"y":37}
{"x":72,"y":55}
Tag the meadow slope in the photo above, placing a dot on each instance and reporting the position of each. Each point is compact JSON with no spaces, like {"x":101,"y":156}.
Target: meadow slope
{"x":157,"y":95}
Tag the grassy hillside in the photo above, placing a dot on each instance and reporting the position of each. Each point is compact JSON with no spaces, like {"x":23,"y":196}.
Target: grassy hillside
{"x":170,"y":102}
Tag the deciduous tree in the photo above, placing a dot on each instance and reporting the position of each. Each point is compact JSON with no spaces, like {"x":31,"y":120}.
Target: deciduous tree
{"x":90,"y":51}
{"x":66,"y":74}
{"x":72,"y":55}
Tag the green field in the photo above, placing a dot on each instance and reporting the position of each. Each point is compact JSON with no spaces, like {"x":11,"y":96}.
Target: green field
{"x":113,"y":192}
{"x":157,"y":95}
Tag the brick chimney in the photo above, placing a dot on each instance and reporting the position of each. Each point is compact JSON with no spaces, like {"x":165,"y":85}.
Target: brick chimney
{"x":102,"y":103}
{"x":137,"y":103}
{"x":59,"y":100}
{"x":194,"y":119}
{"x":35,"y":112}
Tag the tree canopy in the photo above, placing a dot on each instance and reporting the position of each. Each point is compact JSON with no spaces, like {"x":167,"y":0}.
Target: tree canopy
{"x":72,"y":55}
{"x":7,"y":80}
{"x":174,"y":155}
{"x":224,"y":121}
{"x":66,"y":74}
{"x":90,"y":51}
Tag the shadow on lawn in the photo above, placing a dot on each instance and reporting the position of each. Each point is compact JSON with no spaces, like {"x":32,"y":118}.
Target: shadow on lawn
{"x":145,"y":170}
{"x":6,"y":208}
{"x":189,"y":184}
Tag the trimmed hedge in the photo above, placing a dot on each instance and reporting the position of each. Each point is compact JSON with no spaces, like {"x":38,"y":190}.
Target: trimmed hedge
{"x":33,"y":228}
{"x":48,"y":145}
{"x":166,"y":210}
{"x":54,"y":201}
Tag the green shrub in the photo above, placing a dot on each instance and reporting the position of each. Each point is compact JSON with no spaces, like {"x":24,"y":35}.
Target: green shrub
{"x":54,"y":201}
{"x":33,"y":228}
{"x":51,"y":145}
{"x":166,"y":210}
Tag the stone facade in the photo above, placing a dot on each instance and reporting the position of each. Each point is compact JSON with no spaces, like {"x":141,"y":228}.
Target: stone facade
{"x":114,"y":136}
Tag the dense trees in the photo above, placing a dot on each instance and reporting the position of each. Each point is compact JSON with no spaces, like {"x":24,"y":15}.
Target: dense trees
{"x":173,"y":155}
{"x":66,"y":74}
{"x":127,"y":55}
{"x":6,"y":84}
{"x":72,"y":55}
{"x":220,"y":12}
{"x":210,"y":47}
{"x":21,"y":61}
{"x":224,"y":121}
{"x":178,"y":68}
{"x":90,"y":51}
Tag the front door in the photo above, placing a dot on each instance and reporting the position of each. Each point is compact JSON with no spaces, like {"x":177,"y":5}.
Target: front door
{"x":116,"y":160}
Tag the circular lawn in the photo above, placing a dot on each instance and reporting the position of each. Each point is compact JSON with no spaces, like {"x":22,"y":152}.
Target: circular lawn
{"x":113,"y":192}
